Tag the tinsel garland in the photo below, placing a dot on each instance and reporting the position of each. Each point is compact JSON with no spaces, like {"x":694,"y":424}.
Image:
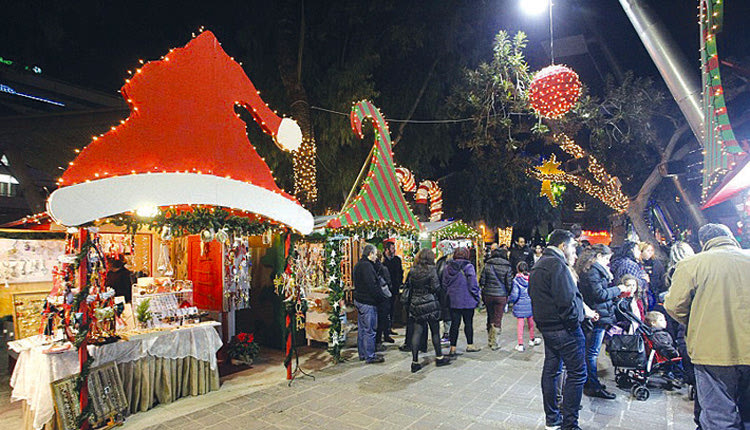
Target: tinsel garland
{"x":333,"y":256}
{"x":183,"y":223}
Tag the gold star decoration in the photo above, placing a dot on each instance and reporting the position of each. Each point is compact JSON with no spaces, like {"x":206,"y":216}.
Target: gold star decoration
{"x":549,"y":167}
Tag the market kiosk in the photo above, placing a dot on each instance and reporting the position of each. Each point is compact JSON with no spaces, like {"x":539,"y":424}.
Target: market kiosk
{"x":181,"y":167}
{"x":375,"y":211}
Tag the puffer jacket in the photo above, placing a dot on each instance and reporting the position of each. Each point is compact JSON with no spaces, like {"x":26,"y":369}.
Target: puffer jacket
{"x":496,"y":278}
{"x":460,"y":280}
{"x":710,"y":293}
{"x":425,"y":288}
{"x":598,"y":295}
{"x":519,"y":296}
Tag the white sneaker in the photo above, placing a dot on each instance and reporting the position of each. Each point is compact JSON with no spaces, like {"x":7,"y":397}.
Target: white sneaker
{"x":519,"y":348}
{"x":552,"y":427}
{"x":535,"y":341}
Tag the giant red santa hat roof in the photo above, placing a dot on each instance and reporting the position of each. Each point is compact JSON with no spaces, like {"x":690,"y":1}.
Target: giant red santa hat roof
{"x":183,"y":143}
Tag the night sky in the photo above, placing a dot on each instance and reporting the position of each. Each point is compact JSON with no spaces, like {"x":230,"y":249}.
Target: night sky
{"x":94,"y":43}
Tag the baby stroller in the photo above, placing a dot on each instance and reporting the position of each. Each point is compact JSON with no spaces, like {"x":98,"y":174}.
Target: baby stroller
{"x":633,"y":356}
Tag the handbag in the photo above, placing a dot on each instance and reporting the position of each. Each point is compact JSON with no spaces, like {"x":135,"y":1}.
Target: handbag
{"x":628,"y":351}
{"x":406,"y":295}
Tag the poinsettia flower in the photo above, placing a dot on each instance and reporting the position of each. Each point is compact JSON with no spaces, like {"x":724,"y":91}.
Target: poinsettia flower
{"x":251,"y":338}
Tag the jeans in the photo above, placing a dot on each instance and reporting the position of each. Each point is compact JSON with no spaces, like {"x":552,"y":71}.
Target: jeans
{"x":468,"y":316}
{"x":594,"y":340}
{"x":420,"y":328}
{"x":367,"y":322}
{"x":724,"y":395}
{"x":563,"y":347}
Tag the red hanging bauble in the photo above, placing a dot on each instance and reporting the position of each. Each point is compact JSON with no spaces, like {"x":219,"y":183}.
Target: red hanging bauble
{"x":554,"y":90}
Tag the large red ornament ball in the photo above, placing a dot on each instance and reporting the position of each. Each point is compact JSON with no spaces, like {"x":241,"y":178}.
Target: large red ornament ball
{"x":554,"y":90}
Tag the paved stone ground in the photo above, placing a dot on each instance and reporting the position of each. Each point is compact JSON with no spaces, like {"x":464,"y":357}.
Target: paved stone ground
{"x":484,"y":390}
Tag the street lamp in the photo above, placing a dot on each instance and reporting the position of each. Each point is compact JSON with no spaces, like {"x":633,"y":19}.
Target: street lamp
{"x":535,"y":7}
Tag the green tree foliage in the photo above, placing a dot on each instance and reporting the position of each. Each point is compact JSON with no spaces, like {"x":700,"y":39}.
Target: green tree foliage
{"x":626,"y":128}
{"x":492,"y":184}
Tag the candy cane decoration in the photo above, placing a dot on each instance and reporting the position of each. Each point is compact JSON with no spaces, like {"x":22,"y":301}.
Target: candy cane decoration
{"x":406,"y":179}
{"x":430,"y":189}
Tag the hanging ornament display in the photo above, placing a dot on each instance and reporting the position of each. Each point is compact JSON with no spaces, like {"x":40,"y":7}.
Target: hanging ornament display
{"x":207,"y":235}
{"x":554,"y":91}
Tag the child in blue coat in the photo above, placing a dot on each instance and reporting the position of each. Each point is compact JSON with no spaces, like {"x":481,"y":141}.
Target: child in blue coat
{"x":519,"y":297}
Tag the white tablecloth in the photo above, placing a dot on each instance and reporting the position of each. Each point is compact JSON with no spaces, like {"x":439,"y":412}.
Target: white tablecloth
{"x":34,"y":370}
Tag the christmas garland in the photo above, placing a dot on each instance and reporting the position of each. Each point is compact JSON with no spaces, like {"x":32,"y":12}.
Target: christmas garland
{"x":83,"y":325}
{"x":457,"y":230}
{"x":333,"y":256}
{"x":183,"y":223}
{"x":374,"y":232}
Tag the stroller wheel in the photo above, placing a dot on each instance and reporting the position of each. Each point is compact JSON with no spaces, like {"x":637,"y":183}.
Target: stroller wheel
{"x":691,"y":393}
{"x":640,"y":392}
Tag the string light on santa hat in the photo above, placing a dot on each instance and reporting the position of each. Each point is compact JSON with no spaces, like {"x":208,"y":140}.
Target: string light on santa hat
{"x":170,"y":155}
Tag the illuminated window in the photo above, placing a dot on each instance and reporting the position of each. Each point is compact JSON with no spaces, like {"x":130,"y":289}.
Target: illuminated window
{"x":8,"y":184}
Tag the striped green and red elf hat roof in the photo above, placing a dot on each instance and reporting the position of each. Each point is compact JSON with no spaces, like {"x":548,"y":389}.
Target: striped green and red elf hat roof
{"x":380,"y":201}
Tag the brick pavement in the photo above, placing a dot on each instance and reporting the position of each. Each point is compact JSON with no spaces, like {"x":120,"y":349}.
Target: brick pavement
{"x":484,"y":390}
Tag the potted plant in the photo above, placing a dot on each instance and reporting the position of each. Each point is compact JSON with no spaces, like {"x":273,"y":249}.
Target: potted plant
{"x":242,"y":349}
{"x":143,"y":313}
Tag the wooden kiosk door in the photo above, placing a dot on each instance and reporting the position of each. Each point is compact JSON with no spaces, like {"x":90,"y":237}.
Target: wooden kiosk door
{"x":205,"y":270}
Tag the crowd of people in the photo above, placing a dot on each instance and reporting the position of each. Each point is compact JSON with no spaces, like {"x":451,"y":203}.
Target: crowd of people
{"x":696,"y":308}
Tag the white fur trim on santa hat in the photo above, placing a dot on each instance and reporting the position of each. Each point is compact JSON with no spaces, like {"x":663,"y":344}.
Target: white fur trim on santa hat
{"x":88,"y":201}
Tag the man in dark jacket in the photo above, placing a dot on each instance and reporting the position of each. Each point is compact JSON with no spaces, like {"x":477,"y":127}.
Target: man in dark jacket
{"x":396,"y":270}
{"x":367,"y":295}
{"x":520,"y":252}
{"x":558,"y":312}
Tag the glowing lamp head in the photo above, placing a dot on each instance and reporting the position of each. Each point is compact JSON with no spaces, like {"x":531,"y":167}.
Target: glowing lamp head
{"x":534,"y":7}
{"x":147,"y":211}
